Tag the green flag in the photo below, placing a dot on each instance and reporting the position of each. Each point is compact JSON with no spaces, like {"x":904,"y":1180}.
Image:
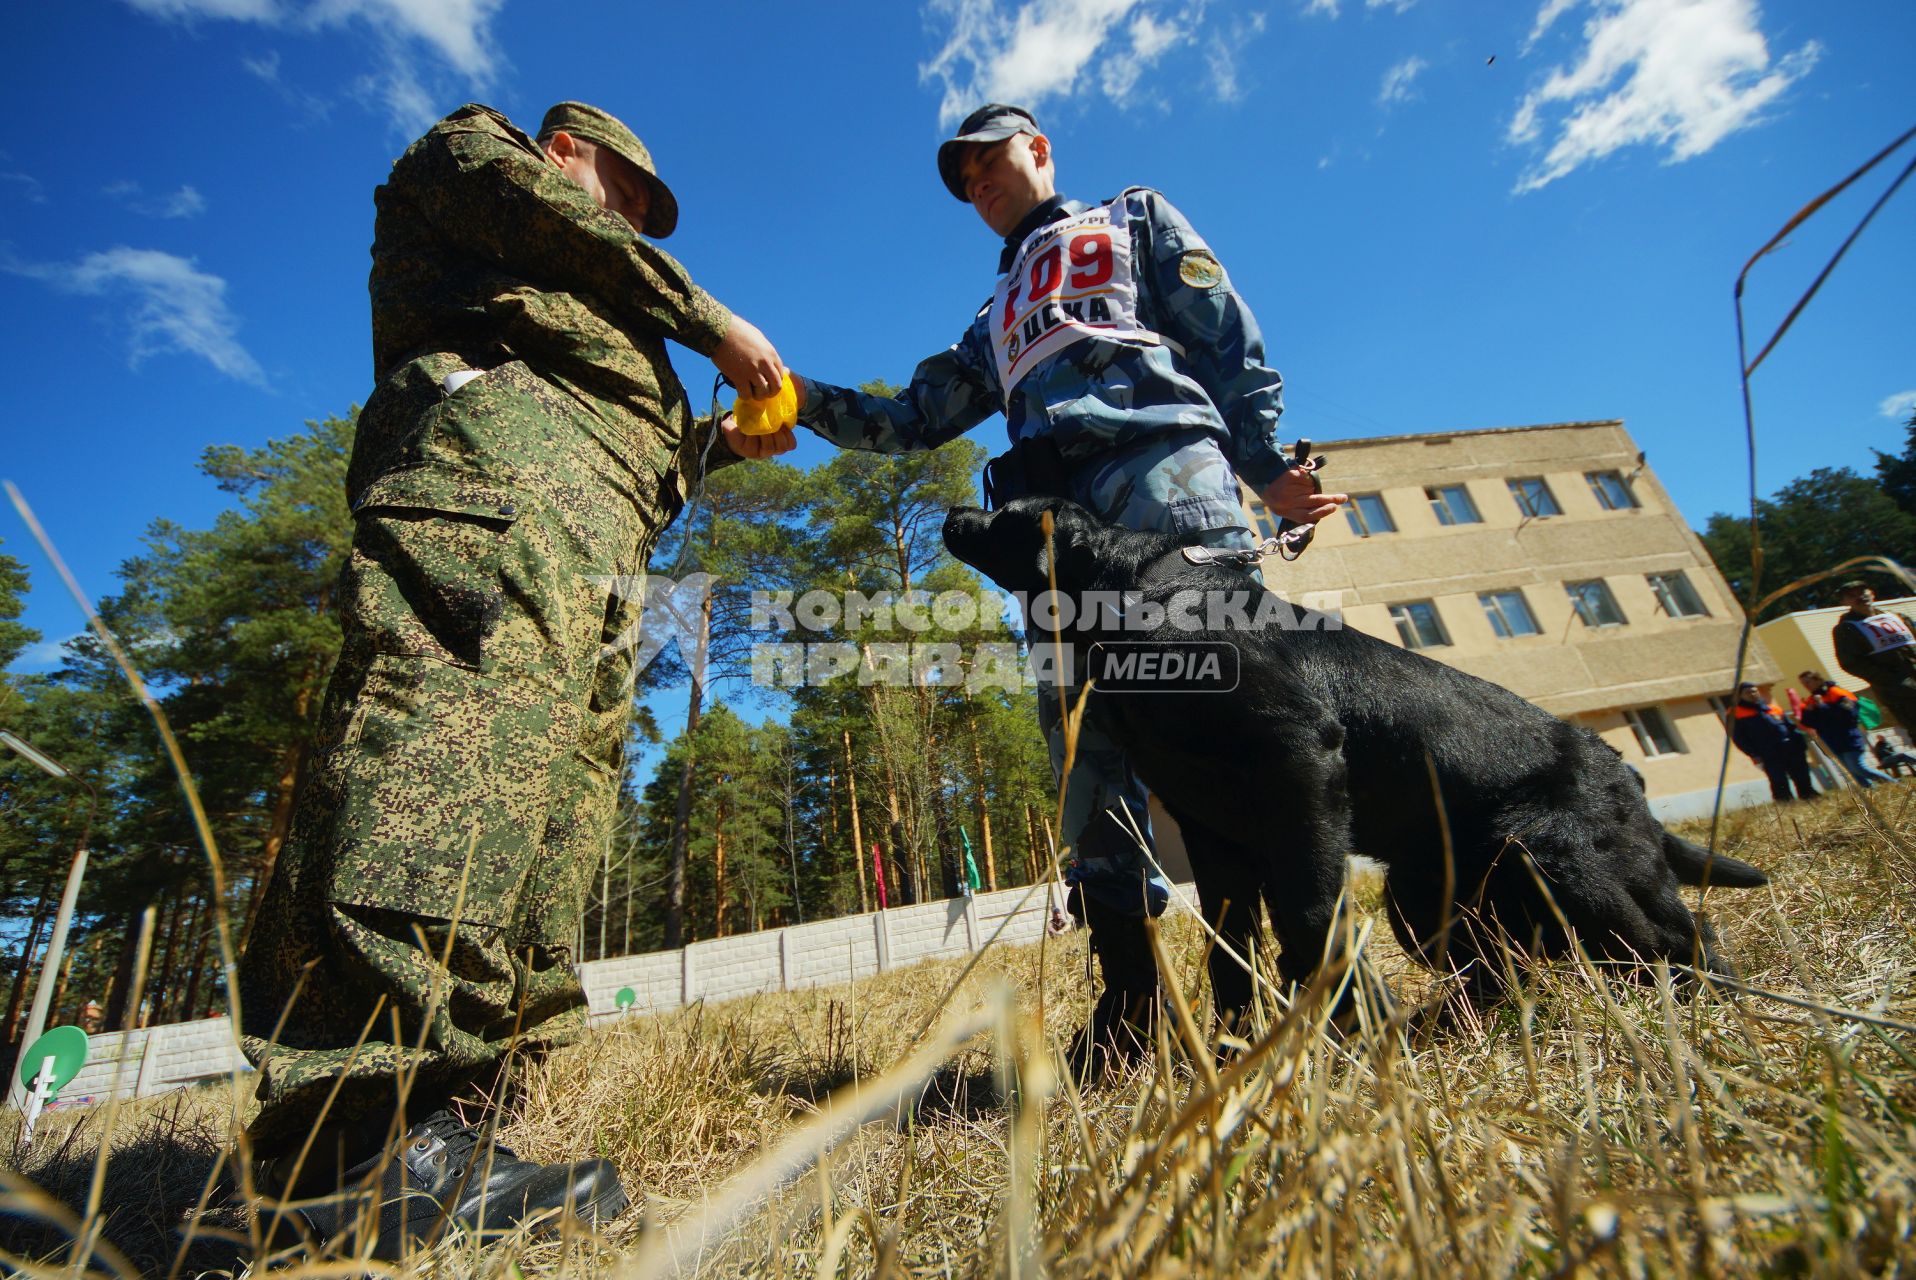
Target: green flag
{"x":972,"y":877}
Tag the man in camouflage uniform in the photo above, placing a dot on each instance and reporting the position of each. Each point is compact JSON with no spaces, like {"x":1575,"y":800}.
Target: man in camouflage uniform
{"x":1877,"y":646}
{"x":525,"y":445}
{"x":1132,"y":378}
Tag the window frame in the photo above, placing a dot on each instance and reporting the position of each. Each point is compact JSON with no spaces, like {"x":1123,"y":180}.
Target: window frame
{"x":1609,"y":598}
{"x":1406,"y":629}
{"x":1522,"y":499}
{"x":1655,"y":581}
{"x":1359,"y":524}
{"x":1630,"y":501}
{"x":1441,"y":506}
{"x":1638,"y":719}
{"x":1500,"y":624}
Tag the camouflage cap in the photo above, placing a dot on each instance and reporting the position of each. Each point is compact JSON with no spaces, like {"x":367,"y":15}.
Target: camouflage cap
{"x":588,"y":122}
{"x":993,"y":122}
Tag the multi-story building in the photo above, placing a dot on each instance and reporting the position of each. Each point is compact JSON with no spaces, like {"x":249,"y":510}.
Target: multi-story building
{"x":1549,"y":560}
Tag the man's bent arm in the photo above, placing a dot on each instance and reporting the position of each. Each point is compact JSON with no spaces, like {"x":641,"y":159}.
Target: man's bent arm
{"x":1223,"y":346}
{"x":949,"y":395}
{"x":490,"y":195}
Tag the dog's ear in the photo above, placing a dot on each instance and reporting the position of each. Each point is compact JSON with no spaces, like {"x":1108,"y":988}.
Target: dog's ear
{"x":1076,"y":538}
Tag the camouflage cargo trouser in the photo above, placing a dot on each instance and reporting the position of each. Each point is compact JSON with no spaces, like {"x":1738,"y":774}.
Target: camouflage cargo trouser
{"x":1172,"y":485}
{"x":469,"y":756}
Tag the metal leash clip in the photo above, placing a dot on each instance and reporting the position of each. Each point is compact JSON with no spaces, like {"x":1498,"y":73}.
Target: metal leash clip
{"x":1290,"y":544}
{"x":1290,"y":540}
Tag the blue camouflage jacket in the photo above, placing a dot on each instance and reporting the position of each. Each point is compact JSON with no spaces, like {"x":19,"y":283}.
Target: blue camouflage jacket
{"x":1194,"y":361}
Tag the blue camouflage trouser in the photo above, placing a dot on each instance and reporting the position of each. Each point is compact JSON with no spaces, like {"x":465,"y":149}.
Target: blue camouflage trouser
{"x":1178,"y":484}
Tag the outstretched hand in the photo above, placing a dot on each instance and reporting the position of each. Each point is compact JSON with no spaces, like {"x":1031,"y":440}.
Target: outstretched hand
{"x":1295,"y":496}
{"x":781,"y":441}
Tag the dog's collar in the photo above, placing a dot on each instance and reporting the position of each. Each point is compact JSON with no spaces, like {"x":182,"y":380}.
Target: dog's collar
{"x":1290,"y":544}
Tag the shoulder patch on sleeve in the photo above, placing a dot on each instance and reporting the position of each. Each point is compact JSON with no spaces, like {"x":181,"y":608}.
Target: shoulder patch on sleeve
{"x":1200,"y":269}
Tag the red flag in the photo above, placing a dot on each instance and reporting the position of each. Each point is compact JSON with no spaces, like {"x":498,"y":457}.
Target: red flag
{"x":1796,"y":703}
{"x":878,"y":871}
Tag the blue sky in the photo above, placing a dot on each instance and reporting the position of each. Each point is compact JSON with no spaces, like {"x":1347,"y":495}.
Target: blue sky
{"x":1447,"y":213}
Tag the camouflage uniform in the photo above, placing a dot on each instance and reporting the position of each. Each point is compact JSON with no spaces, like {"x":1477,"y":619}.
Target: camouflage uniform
{"x":1154,"y":432}
{"x":471,"y":743}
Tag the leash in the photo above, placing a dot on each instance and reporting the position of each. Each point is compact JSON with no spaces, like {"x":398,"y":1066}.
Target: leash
{"x":1289,"y":544}
{"x":1290,"y":541}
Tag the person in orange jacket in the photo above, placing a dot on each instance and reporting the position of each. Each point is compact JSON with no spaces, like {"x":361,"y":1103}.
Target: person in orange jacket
{"x":1834,"y":716}
{"x":1767,"y":736}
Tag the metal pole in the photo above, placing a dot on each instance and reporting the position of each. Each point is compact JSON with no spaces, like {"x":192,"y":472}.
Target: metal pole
{"x":49,"y":974}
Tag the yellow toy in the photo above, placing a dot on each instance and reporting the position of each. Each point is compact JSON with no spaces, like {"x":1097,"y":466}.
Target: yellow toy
{"x":774,"y":413}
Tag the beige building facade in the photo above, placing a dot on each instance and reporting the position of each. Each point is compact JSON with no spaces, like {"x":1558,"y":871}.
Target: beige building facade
{"x":1549,"y":560}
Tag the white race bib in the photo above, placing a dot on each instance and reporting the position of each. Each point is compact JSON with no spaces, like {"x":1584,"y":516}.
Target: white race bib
{"x":1885,"y":631}
{"x":1070,"y":280}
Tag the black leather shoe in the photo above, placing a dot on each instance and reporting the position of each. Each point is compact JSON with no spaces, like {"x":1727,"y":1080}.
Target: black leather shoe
{"x":444,"y":1172}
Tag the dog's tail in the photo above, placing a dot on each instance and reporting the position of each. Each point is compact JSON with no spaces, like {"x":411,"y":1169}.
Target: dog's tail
{"x":1696,"y":865}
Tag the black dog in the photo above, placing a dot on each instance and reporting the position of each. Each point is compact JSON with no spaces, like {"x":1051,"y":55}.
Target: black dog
{"x":1326,"y":746}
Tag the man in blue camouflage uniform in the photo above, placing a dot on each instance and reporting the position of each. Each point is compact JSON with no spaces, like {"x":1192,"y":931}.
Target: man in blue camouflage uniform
{"x":1132,"y":378}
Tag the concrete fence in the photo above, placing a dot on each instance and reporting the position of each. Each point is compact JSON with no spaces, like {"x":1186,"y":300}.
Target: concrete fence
{"x":823,"y":953}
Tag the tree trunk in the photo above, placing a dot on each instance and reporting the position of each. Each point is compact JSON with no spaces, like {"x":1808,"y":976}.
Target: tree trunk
{"x":122,"y":984}
{"x":161,"y":984}
{"x":682,"y":813}
{"x":292,"y":769}
{"x":605,"y":889}
{"x":718,"y":872}
{"x":60,"y":987}
{"x":1031,"y":846}
{"x":191,"y":1003}
{"x":858,"y":831}
{"x":984,"y":807}
{"x":19,"y":994}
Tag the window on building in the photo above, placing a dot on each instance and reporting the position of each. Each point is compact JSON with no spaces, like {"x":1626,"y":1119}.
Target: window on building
{"x":1262,"y":519}
{"x":1612,"y":490}
{"x":1508,"y":613}
{"x":1368,"y":515}
{"x":1655,"y":734}
{"x":1675,"y":596}
{"x":1534,"y":497}
{"x":1418,"y":625}
{"x":1452,"y":504}
{"x":1594,"y":603}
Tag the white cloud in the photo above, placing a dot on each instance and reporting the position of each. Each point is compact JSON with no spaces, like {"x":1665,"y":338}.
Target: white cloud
{"x":1547,"y":18}
{"x":1331,"y":8}
{"x":187,"y":202}
{"x":172,"y":306}
{"x":1400,"y":82}
{"x":265,"y":66}
{"x":1026,"y":53}
{"x":1898,"y":406}
{"x":29,"y":187}
{"x":457,"y":34}
{"x":1222,"y":50}
{"x":1678,"y":74}
{"x":45,"y":653}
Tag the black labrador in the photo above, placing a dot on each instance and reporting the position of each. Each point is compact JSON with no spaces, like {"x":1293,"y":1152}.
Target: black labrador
{"x":1282,"y":742}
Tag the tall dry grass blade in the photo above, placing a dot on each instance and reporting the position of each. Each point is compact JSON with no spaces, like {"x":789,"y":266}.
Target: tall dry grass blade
{"x":201,"y":826}
{"x":673,"y":1248}
{"x":91,"y":1223}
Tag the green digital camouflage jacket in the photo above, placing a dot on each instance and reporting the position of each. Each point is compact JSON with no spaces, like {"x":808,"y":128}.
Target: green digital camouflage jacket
{"x":484,"y":253}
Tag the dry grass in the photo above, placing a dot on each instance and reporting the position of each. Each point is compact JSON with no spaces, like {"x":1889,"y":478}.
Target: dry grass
{"x":1588,"y":1126}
